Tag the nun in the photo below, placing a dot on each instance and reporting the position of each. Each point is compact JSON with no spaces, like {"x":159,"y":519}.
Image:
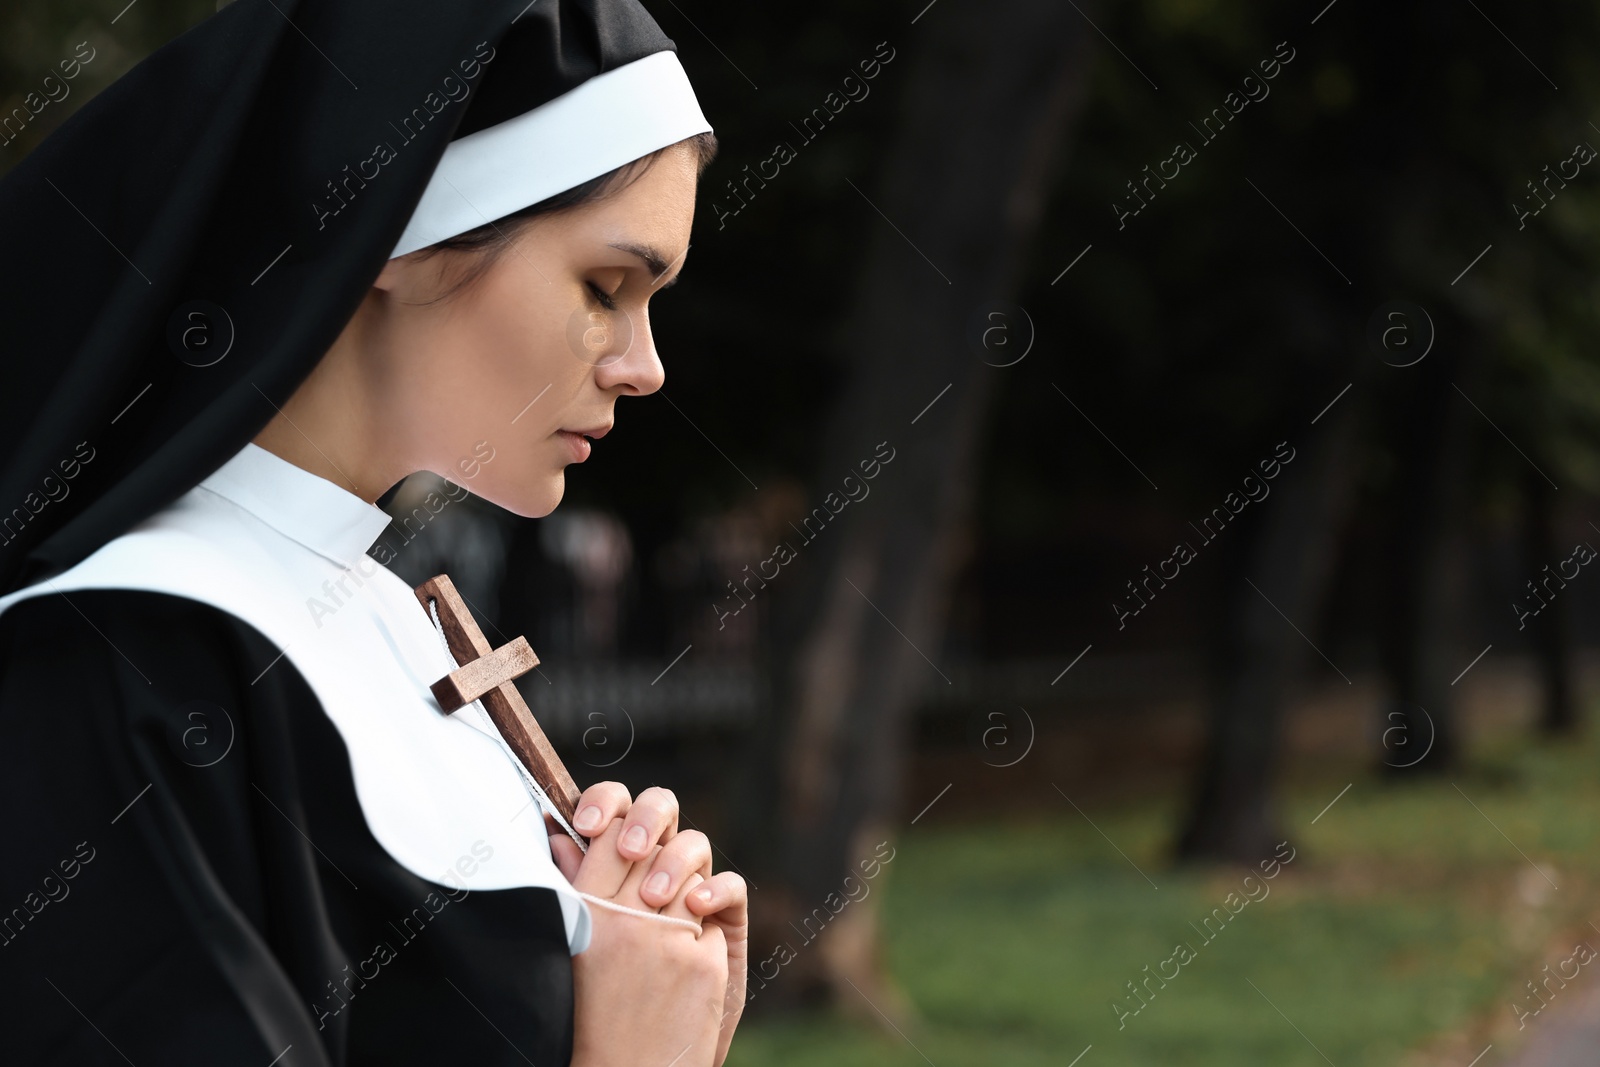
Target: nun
{"x":297,"y":254}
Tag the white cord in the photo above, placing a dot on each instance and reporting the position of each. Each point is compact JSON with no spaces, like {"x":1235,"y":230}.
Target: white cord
{"x":544,"y":799}
{"x":657,"y":916}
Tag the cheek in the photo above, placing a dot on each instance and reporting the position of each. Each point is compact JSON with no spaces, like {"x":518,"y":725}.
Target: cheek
{"x":514,"y":380}
{"x":512,"y":368}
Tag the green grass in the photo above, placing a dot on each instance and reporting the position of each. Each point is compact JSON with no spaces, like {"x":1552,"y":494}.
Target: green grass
{"x":1404,"y":915}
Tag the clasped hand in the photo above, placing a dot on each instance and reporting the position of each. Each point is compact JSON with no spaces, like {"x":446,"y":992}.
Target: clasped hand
{"x":648,"y":992}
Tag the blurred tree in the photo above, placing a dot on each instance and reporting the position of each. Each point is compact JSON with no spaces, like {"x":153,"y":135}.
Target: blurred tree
{"x":1425,"y":568}
{"x":1552,"y":628}
{"x":1234,"y":307}
{"x":1444,"y":138}
{"x":962,"y":181}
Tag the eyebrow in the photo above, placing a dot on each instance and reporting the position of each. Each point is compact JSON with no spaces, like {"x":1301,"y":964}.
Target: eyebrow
{"x":653,"y":259}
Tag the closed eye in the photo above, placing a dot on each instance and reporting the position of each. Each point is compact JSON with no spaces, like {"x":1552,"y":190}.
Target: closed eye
{"x":602,"y":296}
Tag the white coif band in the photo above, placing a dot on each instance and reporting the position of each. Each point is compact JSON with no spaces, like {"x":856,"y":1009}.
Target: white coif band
{"x":611,"y":119}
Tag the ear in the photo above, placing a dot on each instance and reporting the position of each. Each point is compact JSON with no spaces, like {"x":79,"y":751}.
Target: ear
{"x":398,"y":272}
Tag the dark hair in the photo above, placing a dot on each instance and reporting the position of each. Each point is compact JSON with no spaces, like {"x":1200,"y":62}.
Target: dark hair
{"x":490,"y":240}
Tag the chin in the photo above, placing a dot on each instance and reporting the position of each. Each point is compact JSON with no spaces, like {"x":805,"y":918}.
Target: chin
{"x":536,"y":497}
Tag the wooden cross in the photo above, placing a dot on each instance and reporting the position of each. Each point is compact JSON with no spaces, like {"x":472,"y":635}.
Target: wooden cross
{"x":487,"y":673}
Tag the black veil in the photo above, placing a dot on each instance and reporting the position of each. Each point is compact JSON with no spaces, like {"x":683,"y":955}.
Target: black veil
{"x":178,"y":255}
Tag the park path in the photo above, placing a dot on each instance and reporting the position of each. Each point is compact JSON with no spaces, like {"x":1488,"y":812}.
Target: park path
{"x":1566,"y":1035}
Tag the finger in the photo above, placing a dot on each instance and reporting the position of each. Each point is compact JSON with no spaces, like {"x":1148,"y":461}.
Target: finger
{"x":714,"y":943}
{"x":603,"y":870}
{"x":652,"y":820}
{"x":567,"y":855}
{"x":677,"y":908}
{"x":563,"y":850}
{"x":599,"y":804}
{"x":725,"y":898}
{"x":628,"y":892}
{"x":688,"y":852}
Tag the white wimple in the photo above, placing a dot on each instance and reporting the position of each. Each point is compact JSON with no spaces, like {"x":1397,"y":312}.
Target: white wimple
{"x":596,"y":127}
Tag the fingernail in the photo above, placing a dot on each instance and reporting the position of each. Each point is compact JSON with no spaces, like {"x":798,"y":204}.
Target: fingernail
{"x":634,"y":839}
{"x":703,"y":895}
{"x":588,"y":819}
{"x":657,"y":885}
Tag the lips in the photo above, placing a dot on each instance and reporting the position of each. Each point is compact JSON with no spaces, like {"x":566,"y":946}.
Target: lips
{"x":578,"y":441}
{"x":577,"y":444}
{"x":594,"y":432}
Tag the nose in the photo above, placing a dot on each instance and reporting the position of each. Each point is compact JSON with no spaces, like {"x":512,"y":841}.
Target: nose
{"x":635,"y":368}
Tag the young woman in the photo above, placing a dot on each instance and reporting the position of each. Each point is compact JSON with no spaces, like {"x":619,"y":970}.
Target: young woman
{"x":239,"y":828}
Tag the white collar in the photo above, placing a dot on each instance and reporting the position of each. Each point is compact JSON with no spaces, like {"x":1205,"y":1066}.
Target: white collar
{"x":306,"y":508}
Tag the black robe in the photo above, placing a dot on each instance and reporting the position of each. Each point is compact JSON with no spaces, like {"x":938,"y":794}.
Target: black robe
{"x":166,"y":902}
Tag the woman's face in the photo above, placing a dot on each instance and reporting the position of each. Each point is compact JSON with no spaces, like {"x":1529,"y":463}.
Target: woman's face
{"x":495,"y":387}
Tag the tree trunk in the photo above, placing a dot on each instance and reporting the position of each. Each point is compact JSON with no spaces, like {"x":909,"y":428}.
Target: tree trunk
{"x":1425,"y":576}
{"x":1550,"y":630}
{"x":963,"y":182}
{"x":1233,"y":818}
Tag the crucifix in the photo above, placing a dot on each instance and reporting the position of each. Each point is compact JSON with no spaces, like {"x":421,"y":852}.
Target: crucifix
{"x":488,"y":673}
